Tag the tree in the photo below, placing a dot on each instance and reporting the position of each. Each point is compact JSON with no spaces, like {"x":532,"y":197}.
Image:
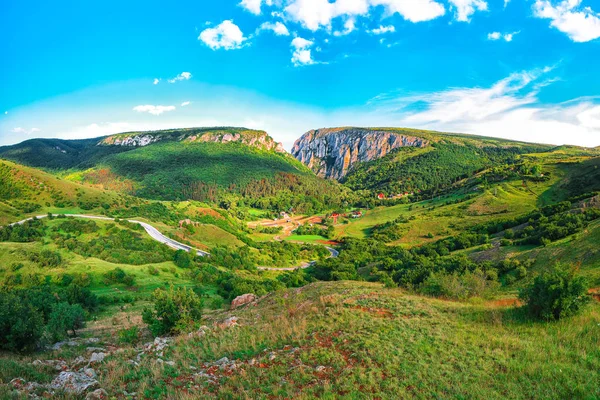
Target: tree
{"x":182,"y":259}
{"x":173,"y":310}
{"x":65,"y":317}
{"x":21,"y":325}
{"x":555,"y":294}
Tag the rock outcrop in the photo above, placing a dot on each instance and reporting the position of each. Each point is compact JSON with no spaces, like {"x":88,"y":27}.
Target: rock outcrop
{"x":331,"y":153}
{"x":258,"y":139}
{"x":243,"y":300}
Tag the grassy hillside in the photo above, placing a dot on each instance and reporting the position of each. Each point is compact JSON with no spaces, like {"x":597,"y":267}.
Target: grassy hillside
{"x":26,"y":191}
{"x":355,"y":340}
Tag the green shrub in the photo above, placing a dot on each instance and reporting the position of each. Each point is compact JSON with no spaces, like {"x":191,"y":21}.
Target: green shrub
{"x":65,"y":317}
{"x":130,"y":335}
{"x":21,"y":325}
{"x":173,"y":310}
{"x":555,"y":294}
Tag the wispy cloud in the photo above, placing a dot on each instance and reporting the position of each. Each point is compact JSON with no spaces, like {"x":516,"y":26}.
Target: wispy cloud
{"x":510,"y":108}
{"x":383,"y":29}
{"x":508,"y":37}
{"x":185,"y":103}
{"x":184,"y":76}
{"x":154,"y":110}
{"x":156,"y":81}
{"x":23,"y":130}
{"x":277,"y":28}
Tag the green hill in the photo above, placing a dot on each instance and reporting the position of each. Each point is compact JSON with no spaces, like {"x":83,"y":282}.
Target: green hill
{"x":217,"y":165}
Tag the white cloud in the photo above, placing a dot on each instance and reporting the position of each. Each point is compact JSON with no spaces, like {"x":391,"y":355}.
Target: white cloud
{"x":411,"y":10}
{"x":509,"y":109}
{"x":226,"y":35}
{"x":465,"y":8}
{"x":508,"y":37}
{"x":156,"y":81}
{"x":506,"y":3}
{"x":277,"y":28}
{"x":317,"y":14}
{"x":302,"y":54}
{"x":349,"y":27}
{"x":25,"y":131}
{"x":581,"y":24}
{"x":186,"y":103}
{"x":254,"y":6}
{"x":383,"y":29}
{"x":184,"y":76}
{"x":5,"y":112}
{"x":154,"y":110}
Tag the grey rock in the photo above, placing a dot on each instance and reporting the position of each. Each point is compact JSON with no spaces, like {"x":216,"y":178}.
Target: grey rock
{"x":97,"y":357}
{"x":73,"y":382}
{"x":98,"y":394}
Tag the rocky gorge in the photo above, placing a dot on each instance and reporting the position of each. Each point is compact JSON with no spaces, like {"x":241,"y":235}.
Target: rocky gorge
{"x":331,"y":153}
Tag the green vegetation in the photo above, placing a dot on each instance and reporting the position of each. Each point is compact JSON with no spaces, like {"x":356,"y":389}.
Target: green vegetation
{"x":460,"y":280}
{"x":555,"y":294}
{"x":173,"y":310}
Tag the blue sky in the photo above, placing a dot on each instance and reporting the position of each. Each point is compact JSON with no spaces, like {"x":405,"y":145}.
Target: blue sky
{"x":521,"y":69}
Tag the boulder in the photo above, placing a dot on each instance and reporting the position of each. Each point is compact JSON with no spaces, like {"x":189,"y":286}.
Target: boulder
{"x":228,"y":323}
{"x":243,"y":300}
{"x":73,"y":382}
{"x":97,"y":357}
{"x":98,"y":394}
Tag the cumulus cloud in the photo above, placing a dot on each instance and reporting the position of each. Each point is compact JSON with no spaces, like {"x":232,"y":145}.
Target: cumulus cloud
{"x":383,"y":29}
{"x":302,"y":54}
{"x":154,"y":110}
{"x":508,"y":37}
{"x":254,"y":6}
{"x":226,"y":35}
{"x":317,"y":14}
{"x":23,"y":130}
{"x":465,"y":8}
{"x":581,"y":24}
{"x":156,"y":81}
{"x":277,"y":28}
{"x":184,"y":76}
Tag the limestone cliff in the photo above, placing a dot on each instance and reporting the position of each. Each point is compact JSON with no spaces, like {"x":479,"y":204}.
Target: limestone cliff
{"x":331,"y":153}
{"x":258,"y":139}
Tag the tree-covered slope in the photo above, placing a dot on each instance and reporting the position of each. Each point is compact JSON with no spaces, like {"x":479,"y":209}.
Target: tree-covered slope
{"x":58,"y":154}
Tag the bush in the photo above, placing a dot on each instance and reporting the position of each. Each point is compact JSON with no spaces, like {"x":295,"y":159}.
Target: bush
{"x":555,"y":294}
{"x":65,"y":317}
{"x":130,"y":336}
{"x":21,"y":325}
{"x":182,"y":259}
{"x":174,"y":310}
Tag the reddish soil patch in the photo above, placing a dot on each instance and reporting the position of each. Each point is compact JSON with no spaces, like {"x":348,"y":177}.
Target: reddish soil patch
{"x":595,"y":292}
{"x":380,"y":312}
{"x":208,"y":211}
{"x":506,"y":303}
{"x":328,"y":242}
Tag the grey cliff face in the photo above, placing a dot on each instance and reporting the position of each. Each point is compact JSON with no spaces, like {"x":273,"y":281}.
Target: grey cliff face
{"x":331,"y":153}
